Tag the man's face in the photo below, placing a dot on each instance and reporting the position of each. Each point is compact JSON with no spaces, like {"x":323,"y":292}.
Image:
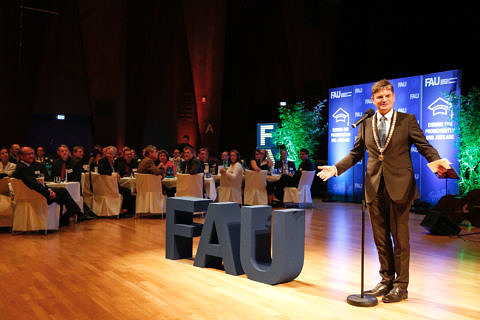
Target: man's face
{"x":28,"y":155}
{"x":233,"y":157}
{"x":225,"y":156}
{"x":303,"y":156}
{"x":128,"y":156}
{"x":203,"y":156}
{"x":176,"y":153}
{"x":109,"y":154}
{"x":78,"y":154}
{"x":187,"y":154}
{"x":283,"y":154}
{"x":153,"y":154}
{"x":63,"y":153}
{"x":383,"y":99}
{"x":4,"y":155}
{"x":40,"y":152}
{"x":15,"y":148}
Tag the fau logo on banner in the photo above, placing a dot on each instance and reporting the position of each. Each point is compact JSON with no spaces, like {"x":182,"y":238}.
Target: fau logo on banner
{"x":340,"y":138}
{"x":438,"y":127}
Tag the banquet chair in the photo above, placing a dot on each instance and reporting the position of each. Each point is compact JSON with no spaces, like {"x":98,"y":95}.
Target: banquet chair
{"x":189,"y":185}
{"x":230,"y":189}
{"x":300,"y":196}
{"x":31,"y":211}
{"x":255,"y":192}
{"x":6,"y":209}
{"x":150,"y":197}
{"x":107,"y":201}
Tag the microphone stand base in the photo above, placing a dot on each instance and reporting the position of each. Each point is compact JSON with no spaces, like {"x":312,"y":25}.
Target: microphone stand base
{"x":358,"y":301}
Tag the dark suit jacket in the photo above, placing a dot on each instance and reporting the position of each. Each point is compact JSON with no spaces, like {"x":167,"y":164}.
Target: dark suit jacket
{"x":104,"y":167}
{"x":28,"y":176}
{"x":124,"y":168}
{"x":70,"y":164}
{"x":193,"y":166}
{"x":290,"y":164}
{"x":396,"y":168}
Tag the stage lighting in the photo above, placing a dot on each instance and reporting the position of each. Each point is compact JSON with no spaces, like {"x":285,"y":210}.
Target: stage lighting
{"x":60,"y":117}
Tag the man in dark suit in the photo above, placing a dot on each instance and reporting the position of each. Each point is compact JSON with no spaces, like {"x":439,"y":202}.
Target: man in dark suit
{"x":191,"y":165}
{"x":126,"y":164}
{"x":65,"y":166}
{"x":287,"y":169}
{"x":389,"y":185}
{"x":26,"y":172}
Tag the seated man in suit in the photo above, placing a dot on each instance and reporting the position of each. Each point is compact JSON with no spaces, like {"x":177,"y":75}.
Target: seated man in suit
{"x":306,"y":165}
{"x":126,"y":164}
{"x":65,"y":166}
{"x":25,"y":172}
{"x":191,"y":165}
{"x":106,"y":167}
{"x":14,"y":150}
{"x":148,"y":162}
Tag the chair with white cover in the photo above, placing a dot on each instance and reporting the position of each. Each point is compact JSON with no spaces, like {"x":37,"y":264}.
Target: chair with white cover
{"x":6,"y":209}
{"x":230,"y":189}
{"x":301,"y":195}
{"x":107,"y":201}
{"x":150,"y":197}
{"x":189,"y":185}
{"x":255,"y":192}
{"x":31,"y":211}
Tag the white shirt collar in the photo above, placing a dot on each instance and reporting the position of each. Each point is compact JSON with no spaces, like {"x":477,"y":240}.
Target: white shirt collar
{"x":388,"y":116}
{"x":27,"y":164}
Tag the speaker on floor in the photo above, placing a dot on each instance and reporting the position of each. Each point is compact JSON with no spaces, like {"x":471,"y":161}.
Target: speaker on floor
{"x":437,"y":223}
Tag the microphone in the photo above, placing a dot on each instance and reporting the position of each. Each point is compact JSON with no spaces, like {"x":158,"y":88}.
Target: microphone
{"x":368,"y":114}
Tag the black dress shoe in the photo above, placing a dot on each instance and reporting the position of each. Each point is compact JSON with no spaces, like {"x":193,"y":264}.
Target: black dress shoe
{"x":379,"y":290}
{"x":395,"y":295}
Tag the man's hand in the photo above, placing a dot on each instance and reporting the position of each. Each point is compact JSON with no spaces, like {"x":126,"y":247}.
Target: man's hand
{"x":327,"y":172}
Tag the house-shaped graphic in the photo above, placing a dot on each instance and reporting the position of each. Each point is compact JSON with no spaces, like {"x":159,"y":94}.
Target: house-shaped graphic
{"x":440,"y":106}
{"x":341,"y":116}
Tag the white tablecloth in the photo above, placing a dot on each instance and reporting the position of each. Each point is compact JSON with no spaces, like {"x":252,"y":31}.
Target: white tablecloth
{"x":73,"y":189}
{"x":208,"y":185}
{"x":270,"y":179}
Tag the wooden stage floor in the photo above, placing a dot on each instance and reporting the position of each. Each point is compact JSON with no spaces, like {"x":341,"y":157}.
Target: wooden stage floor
{"x":116,"y":269}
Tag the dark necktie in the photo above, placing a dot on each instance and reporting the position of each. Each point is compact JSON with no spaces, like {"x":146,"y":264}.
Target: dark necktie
{"x":382,"y":131}
{"x":62,"y":173}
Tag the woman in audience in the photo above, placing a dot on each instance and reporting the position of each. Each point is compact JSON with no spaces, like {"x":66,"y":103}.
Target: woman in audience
{"x":259,"y":161}
{"x":235,"y":168}
{"x":6,"y":168}
{"x":94,"y":159}
{"x":177,"y":159}
{"x":166,"y":166}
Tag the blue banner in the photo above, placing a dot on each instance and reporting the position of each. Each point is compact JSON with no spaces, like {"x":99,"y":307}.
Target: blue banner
{"x":423,"y":96}
{"x":340,"y":139}
{"x":437,"y":124}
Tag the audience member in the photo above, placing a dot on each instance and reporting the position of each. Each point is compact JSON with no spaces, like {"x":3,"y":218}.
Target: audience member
{"x":148,"y":162}
{"x":14,"y":156}
{"x":204,"y":157}
{"x":259,"y":161}
{"x":177,"y":160}
{"x":42,"y":156}
{"x":287,"y":170}
{"x":78,"y":153}
{"x":185,"y":143}
{"x":191,"y":165}
{"x":6,"y":167}
{"x":126,"y":164}
{"x":106,"y":167}
{"x":235,"y":168}
{"x":225,"y":158}
{"x":94,"y":160}
{"x":166,"y":166}
{"x":65,"y":166}
{"x":26,"y":173}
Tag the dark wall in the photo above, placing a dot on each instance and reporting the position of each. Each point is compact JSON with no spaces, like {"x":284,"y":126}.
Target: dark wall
{"x":138,"y":69}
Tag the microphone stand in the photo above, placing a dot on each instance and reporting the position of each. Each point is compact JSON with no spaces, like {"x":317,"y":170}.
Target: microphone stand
{"x":362,"y":300}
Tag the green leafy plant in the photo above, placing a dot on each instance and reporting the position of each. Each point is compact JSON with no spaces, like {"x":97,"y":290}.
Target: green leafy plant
{"x":300,"y":127}
{"x":467,"y":127}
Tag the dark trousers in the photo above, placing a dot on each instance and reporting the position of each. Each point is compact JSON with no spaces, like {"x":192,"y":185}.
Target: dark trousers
{"x":64,"y":199}
{"x":390,"y":220}
{"x":284,"y":181}
{"x":128,"y":200}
